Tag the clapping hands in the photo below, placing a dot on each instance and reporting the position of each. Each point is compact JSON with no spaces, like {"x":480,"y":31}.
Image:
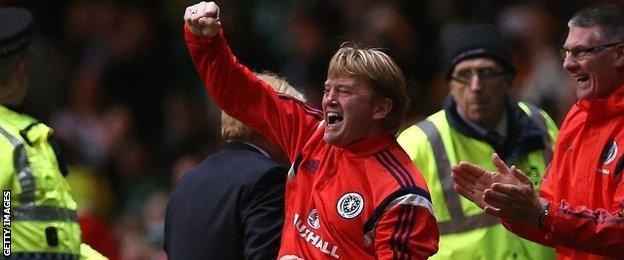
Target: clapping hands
{"x":507,"y":194}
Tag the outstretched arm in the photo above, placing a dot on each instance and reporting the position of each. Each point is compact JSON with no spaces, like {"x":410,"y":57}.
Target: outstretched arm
{"x":284,"y":120}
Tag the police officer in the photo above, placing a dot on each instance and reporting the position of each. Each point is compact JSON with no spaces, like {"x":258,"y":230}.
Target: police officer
{"x":477,"y":120}
{"x":43,"y":222}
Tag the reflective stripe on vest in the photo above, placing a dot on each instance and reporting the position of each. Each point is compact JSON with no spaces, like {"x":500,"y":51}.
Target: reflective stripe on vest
{"x":44,"y":256}
{"x":22,"y":167}
{"x":458,"y":222}
{"x":28,"y":211}
{"x":540,"y":121}
{"x":43,"y":213}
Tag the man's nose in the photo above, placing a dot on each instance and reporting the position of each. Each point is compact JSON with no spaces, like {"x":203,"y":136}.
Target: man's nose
{"x":475,"y":83}
{"x":570,"y":63}
{"x":330,"y":96}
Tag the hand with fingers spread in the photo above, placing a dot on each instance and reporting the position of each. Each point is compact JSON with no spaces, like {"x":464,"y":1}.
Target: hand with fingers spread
{"x":202,"y":19}
{"x":517,"y":202}
{"x":471,"y":181}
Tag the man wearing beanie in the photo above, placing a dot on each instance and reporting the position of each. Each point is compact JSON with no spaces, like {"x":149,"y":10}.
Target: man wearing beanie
{"x":580,"y":206}
{"x":478,"y":120}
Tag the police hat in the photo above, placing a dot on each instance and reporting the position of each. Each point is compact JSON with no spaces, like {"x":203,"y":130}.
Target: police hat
{"x":481,"y":40}
{"x":15,"y":30}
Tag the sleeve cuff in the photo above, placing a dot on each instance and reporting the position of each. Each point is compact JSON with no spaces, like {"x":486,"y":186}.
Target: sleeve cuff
{"x":203,"y":40}
{"x":549,"y":219}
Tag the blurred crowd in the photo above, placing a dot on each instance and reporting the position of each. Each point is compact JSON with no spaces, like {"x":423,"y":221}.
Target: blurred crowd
{"x":114,"y":79}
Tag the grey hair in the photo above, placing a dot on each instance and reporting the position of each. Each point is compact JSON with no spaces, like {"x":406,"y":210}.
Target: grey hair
{"x":608,"y":17}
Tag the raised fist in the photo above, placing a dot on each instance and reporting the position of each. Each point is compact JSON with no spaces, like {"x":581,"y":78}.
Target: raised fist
{"x":202,"y":19}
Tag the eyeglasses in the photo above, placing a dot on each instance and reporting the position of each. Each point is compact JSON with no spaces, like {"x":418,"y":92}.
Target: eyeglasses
{"x":581,"y":53}
{"x":486,"y":76}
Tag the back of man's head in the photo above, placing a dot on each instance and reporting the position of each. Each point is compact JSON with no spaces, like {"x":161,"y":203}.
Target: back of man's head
{"x":608,"y":17}
{"x":382,"y":71}
{"x":234,"y":130}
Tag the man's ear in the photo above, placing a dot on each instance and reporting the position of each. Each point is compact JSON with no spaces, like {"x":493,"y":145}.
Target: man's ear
{"x":382,"y":109}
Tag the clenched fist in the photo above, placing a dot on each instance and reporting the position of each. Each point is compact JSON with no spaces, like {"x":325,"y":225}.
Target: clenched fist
{"x":202,"y":19}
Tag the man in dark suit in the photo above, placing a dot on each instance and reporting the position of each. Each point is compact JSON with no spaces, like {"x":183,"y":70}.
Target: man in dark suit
{"x":232,"y":205}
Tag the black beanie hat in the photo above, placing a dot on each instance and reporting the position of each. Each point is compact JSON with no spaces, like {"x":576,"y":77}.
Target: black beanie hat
{"x":481,"y":40}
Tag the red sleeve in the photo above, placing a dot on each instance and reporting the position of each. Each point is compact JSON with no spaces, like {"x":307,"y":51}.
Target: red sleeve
{"x":596,"y":231}
{"x":527,"y":231}
{"x":406,"y":232}
{"x":236,"y":90}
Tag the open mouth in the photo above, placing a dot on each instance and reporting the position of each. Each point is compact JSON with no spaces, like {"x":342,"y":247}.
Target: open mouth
{"x":581,"y":79}
{"x":333,"y":119}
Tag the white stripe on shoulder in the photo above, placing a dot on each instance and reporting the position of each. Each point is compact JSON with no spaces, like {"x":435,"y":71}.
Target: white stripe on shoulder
{"x":407,"y":199}
{"x":413,"y":200}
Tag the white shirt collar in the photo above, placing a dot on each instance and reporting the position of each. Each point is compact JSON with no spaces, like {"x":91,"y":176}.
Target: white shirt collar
{"x":259,"y":149}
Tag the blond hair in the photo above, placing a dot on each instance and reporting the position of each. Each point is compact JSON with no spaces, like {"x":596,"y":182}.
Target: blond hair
{"x":234,"y":130}
{"x":386,"y":77}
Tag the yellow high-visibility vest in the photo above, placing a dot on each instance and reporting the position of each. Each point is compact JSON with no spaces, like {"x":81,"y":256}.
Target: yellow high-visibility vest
{"x":43,"y":221}
{"x":466,"y":231}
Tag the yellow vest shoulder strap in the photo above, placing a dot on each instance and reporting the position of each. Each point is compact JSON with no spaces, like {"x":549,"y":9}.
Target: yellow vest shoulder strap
{"x":458,"y":222}
{"x":22,"y":168}
{"x":539,"y":119}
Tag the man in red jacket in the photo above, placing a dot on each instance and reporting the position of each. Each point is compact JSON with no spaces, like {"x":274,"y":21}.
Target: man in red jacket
{"x":580,"y":210}
{"x":352,"y":192}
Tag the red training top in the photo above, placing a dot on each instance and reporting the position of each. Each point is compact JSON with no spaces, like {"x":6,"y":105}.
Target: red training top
{"x":362,"y":201}
{"x":584,"y":184}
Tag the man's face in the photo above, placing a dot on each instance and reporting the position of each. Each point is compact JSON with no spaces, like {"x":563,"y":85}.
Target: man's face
{"x":351,"y":110}
{"x":479,"y":86}
{"x":15,"y":88}
{"x":593,"y":72}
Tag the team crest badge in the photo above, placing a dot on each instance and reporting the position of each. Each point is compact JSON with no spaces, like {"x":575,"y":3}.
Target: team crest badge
{"x":350,"y":205}
{"x":313,"y":219}
{"x":609,"y":152}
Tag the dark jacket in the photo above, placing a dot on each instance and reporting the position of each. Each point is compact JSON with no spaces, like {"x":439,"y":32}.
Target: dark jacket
{"x":524,"y":135}
{"x":230,"y":207}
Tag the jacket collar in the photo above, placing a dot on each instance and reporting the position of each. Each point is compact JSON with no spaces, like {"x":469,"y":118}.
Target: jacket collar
{"x":12,"y":114}
{"x":370,"y":145}
{"x":501,"y":126}
{"x":523,"y":134}
{"x":238,"y":145}
{"x":29,"y":128}
{"x":7,"y":110}
{"x":13,"y":108}
{"x":603,"y":108}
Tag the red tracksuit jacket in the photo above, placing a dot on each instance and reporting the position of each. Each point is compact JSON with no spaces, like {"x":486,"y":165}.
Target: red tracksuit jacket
{"x":584,"y":184}
{"x":362,"y":201}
